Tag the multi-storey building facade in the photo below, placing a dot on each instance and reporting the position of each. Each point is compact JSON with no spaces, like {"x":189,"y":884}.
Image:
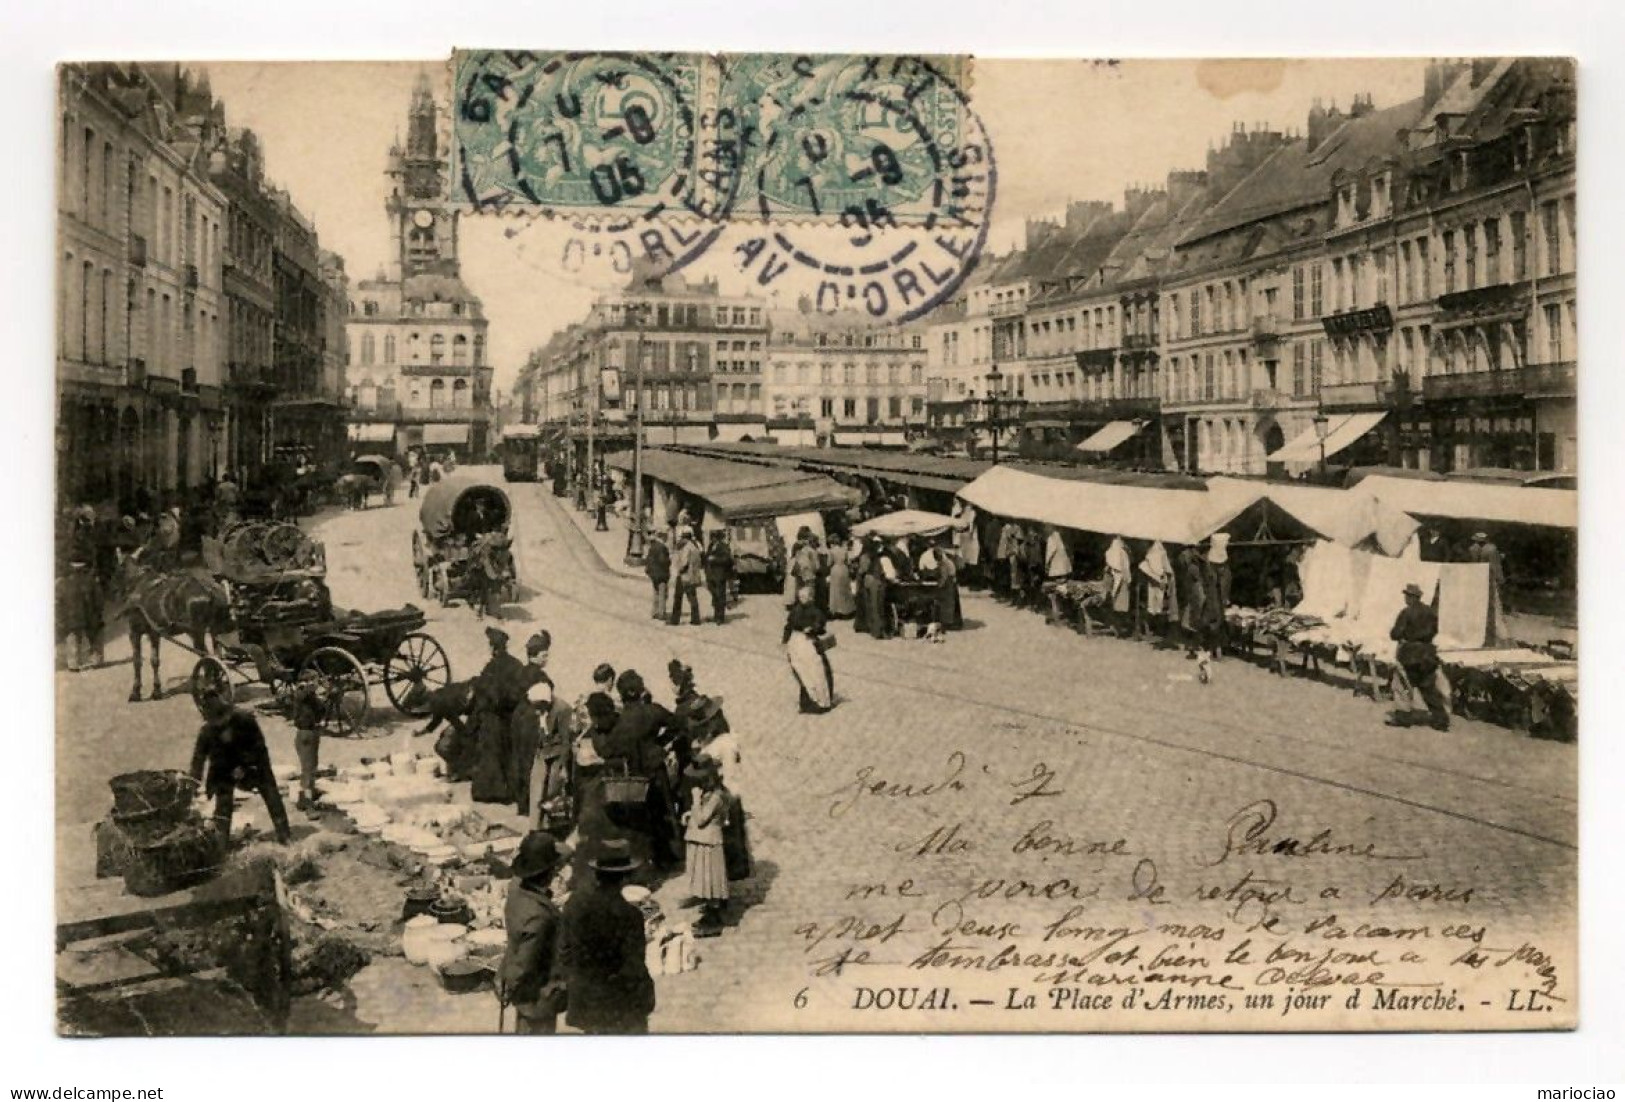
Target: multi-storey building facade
{"x":692,"y":358}
{"x":237,"y":168}
{"x":843,"y":378}
{"x":307,"y":421}
{"x":140,"y":301}
{"x":1412,"y":246}
{"x":418,"y":374}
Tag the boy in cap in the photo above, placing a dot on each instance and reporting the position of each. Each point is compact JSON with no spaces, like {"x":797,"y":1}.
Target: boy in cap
{"x":1414,"y":629}
{"x":231,"y":754}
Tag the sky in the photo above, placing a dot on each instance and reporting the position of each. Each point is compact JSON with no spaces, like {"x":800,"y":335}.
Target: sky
{"x":1061,"y":130}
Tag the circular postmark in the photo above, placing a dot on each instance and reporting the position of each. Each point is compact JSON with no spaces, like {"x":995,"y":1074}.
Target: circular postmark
{"x":871,"y":181}
{"x":615,"y":144}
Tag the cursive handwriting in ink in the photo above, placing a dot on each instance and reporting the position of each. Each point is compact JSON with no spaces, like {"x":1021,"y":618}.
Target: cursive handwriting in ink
{"x":1249,"y":832}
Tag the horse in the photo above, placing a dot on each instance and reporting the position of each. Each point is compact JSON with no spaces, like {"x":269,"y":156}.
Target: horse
{"x":156,"y":604}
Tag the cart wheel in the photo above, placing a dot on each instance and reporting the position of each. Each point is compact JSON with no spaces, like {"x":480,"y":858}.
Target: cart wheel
{"x":417,"y":668}
{"x":282,"y":544}
{"x":209,"y":676}
{"x":343,"y":688}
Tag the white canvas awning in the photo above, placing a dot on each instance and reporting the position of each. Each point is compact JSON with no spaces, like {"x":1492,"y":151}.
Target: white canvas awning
{"x":445,"y":434}
{"x":1111,"y":436}
{"x":1495,"y":503}
{"x":1134,"y":512}
{"x":1344,"y":430}
{"x":521,"y":432}
{"x":370,"y":432}
{"x":1343,"y":516}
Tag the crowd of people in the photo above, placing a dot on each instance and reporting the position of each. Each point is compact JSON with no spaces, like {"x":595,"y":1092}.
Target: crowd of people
{"x":615,"y":770}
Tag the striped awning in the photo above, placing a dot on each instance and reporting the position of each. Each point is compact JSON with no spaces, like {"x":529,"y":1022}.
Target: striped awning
{"x":1111,"y":436}
{"x":1344,"y":430}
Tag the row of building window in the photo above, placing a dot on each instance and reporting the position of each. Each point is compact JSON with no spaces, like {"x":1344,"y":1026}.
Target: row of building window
{"x":414,"y":349}
{"x":661,"y":315}
{"x":803,"y":374}
{"x":873,"y":408}
{"x":175,"y":234}
{"x":94,"y":301}
{"x":459,"y":395}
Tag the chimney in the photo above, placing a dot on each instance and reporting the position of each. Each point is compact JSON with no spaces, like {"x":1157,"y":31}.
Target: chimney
{"x":1322,"y":121}
{"x":1440,"y":75}
{"x":1362,"y":106}
{"x":1481,"y":69}
{"x":1038,"y":231}
{"x":1082,"y":213}
{"x":1183,"y":186}
{"x":1245,"y":150}
{"x":1137,"y":200}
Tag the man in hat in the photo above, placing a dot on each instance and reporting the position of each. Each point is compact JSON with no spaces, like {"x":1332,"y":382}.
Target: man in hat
{"x":230,"y":754}
{"x":688,"y":573}
{"x":1414,"y":629}
{"x":601,"y":951}
{"x":719,"y":568}
{"x":530,"y":980}
{"x":1482,"y":550}
{"x":657,"y":565}
{"x":497,"y":690}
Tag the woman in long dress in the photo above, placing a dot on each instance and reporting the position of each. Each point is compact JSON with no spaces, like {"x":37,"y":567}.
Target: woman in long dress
{"x":843,"y":603}
{"x":803,"y":629}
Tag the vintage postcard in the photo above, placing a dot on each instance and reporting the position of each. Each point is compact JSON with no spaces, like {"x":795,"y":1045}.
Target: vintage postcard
{"x":688,"y":542}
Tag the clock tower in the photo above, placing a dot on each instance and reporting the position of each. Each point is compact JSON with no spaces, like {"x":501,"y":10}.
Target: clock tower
{"x":423,"y":225}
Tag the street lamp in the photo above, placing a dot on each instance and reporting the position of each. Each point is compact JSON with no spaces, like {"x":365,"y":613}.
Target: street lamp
{"x":637,"y":315}
{"x":1323,"y":426}
{"x":996,"y":399}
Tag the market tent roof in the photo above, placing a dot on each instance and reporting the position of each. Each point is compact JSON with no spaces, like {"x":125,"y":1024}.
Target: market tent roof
{"x":1111,"y":436}
{"x":1344,"y":430}
{"x":814,"y":494}
{"x":905,"y":522}
{"x":465,"y":506}
{"x":1494,"y":503}
{"x":1340,"y":515}
{"x":1114,"y":509}
{"x":372,"y":432}
{"x":445,"y":434}
{"x":740,"y":489}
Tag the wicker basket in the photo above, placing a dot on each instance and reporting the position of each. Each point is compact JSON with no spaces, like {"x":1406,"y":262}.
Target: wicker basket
{"x":188,"y":855}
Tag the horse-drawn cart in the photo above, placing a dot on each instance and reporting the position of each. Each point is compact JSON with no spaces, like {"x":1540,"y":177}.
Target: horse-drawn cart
{"x":283,"y":624}
{"x":462,"y":546}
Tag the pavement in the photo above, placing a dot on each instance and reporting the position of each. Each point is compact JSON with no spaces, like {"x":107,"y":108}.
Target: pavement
{"x":1014,"y":783}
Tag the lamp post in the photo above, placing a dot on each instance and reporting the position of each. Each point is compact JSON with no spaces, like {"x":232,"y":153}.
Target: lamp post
{"x":996,"y":400}
{"x":1322,"y":428}
{"x":636,"y":538}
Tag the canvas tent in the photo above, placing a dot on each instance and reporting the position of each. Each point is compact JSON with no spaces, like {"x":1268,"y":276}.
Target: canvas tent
{"x":1344,"y":517}
{"x":739,"y":491}
{"x":1134,"y":511}
{"x":1494,"y":503}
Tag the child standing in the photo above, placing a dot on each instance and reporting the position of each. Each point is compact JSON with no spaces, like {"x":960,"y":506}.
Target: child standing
{"x":309,"y":709}
{"x":707,"y":872}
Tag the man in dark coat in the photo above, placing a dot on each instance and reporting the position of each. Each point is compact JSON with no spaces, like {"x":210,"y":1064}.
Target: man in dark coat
{"x":1414,"y":629}
{"x":230,"y":753}
{"x":719,"y":569}
{"x":601,"y":951}
{"x":637,"y":743}
{"x":530,"y":979}
{"x":657,"y":565}
{"x":496,"y":691}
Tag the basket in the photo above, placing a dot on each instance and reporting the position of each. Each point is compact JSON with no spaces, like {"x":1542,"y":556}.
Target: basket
{"x":188,"y":855}
{"x":151,"y":794}
{"x":625,"y":790}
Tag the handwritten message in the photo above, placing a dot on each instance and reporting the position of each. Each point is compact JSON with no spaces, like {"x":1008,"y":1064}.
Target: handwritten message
{"x":1010,"y":900}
